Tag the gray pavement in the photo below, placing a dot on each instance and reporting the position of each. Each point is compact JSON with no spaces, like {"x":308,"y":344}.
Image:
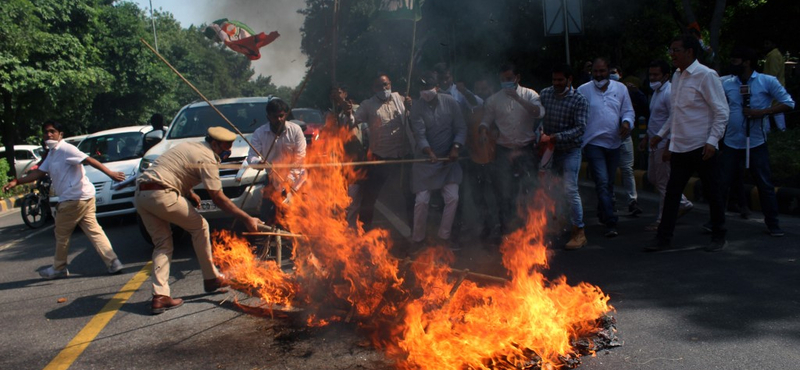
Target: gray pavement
{"x":689,"y":309}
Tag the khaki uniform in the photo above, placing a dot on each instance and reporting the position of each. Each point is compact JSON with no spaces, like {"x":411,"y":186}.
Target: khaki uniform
{"x":176,"y":172}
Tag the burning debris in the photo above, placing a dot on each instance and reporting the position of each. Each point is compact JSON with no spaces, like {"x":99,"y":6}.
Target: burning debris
{"x":421,"y":313}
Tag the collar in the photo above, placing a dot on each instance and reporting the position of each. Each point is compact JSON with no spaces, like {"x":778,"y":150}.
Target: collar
{"x":208,"y":145}
{"x":663,"y":85}
{"x":693,"y":67}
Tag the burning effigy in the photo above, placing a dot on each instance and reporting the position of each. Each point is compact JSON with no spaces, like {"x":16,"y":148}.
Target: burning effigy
{"x":422,"y":313}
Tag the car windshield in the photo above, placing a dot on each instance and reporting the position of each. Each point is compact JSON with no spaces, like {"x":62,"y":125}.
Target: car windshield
{"x":306,"y":115}
{"x":113,"y":147}
{"x":194,"y":122}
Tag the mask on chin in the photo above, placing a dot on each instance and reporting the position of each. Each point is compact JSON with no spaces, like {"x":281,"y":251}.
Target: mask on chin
{"x":655,"y":85}
{"x":225,"y":154}
{"x":508,"y":85}
{"x":384,"y":95}
{"x":428,"y":95}
{"x":50,"y":144}
{"x":600,"y":84}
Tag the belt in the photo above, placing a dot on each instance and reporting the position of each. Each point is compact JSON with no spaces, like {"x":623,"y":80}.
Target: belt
{"x":151,"y":186}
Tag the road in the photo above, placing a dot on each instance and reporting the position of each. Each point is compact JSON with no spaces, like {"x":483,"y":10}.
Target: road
{"x":736,"y":309}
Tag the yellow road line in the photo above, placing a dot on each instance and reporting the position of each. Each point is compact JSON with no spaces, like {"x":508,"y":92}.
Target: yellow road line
{"x":85,"y":337}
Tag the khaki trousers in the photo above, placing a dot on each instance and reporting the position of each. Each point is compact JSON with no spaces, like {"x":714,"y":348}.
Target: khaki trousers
{"x":81,"y":213}
{"x":159,"y":208}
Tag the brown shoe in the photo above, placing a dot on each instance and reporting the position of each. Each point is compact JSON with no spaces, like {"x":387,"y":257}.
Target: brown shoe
{"x":163,"y":303}
{"x":578,"y":239}
{"x":211,"y":285}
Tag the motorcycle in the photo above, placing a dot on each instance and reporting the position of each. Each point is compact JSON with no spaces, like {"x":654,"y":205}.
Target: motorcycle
{"x":36,"y":204}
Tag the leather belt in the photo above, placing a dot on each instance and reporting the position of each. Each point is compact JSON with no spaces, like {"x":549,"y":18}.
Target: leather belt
{"x":145,"y":186}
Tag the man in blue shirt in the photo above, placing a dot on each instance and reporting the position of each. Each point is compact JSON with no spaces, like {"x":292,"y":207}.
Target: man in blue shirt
{"x":750,"y":99}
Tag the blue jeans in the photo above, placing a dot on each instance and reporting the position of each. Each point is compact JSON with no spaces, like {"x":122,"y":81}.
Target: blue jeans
{"x":568,"y":163}
{"x":733,"y":160}
{"x":603,"y":163}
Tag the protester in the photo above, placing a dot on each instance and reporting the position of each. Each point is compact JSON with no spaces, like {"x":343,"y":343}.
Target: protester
{"x":354,"y":148}
{"x":513,"y":111}
{"x":626,"y":151}
{"x":389,"y":139}
{"x":278,"y":141}
{"x":610,"y":120}
{"x":161,"y":199}
{"x":439,"y":131}
{"x":749,"y":117}
{"x":658,"y":160}
{"x":480,"y":174}
{"x":563,"y":127}
{"x":465,"y":98}
{"x":697,"y":123}
{"x":76,"y":203}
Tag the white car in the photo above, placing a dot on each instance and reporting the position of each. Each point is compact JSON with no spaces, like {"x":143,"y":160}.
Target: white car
{"x":119,"y":149}
{"x":242,"y":186}
{"x":25,"y":157}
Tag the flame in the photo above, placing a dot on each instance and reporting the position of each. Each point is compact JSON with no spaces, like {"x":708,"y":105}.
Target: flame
{"x":420,"y":316}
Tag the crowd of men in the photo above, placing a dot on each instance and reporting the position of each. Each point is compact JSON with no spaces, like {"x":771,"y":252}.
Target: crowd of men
{"x":697,"y":122}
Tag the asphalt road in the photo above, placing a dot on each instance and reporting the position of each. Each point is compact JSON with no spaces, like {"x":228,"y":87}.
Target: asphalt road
{"x":688,"y":309}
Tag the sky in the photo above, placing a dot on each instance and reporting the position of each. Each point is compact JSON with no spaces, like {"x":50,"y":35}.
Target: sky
{"x":282,"y":59}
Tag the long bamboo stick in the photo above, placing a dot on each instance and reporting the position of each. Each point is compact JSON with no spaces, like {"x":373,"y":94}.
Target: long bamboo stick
{"x":320,"y":165}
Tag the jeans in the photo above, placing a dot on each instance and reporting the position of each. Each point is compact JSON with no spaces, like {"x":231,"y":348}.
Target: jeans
{"x":658,"y":175}
{"x":568,"y":163}
{"x":626,"y":156}
{"x":682,"y":167}
{"x":603,"y":163}
{"x":733,"y":160}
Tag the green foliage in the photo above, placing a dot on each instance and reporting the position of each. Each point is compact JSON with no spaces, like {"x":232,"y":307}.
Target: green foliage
{"x":4,"y":180}
{"x":784,"y":161}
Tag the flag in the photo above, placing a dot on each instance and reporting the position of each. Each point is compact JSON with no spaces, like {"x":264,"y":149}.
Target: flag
{"x":239,"y":37}
{"x":400,"y":9}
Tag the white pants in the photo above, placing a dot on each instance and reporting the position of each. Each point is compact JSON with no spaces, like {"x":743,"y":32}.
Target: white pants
{"x":421,"y":204}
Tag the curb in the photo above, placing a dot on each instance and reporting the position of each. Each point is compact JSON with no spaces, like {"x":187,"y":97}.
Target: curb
{"x":11,"y":202}
{"x":788,"y":198}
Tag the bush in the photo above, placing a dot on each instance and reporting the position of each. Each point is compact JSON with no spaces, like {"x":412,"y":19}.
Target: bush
{"x":4,"y":180}
{"x":784,"y":159}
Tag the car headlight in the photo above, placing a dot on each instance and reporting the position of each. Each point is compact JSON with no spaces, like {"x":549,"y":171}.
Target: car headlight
{"x":145,"y":164}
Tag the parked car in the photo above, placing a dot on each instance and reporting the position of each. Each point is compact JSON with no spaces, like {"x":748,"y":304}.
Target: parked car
{"x":119,"y":149}
{"x":310,"y":120}
{"x":25,"y":157}
{"x":75,"y":140}
{"x":191,"y":124}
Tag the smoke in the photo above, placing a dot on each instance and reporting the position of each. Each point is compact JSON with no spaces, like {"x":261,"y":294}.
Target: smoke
{"x":281,"y":59}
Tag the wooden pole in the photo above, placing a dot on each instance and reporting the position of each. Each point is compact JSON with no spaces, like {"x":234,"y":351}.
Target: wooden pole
{"x":321,"y":165}
{"x":269,"y":233}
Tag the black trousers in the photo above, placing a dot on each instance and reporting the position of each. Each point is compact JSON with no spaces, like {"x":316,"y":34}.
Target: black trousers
{"x":682,"y":167}
{"x":375,"y":179}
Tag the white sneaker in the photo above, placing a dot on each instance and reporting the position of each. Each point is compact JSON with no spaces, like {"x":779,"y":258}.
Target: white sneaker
{"x":52,"y":273}
{"x":116,"y":266}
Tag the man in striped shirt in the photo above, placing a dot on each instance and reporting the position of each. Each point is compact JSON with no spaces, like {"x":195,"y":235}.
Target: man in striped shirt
{"x":563,"y":127}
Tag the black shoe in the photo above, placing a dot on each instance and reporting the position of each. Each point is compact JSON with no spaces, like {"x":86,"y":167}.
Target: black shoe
{"x":486,"y":233}
{"x":658,"y":245}
{"x":211,"y":285}
{"x":611,"y":232}
{"x":744,"y":213}
{"x":633,"y":208}
{"x":776,"y":231}
{"x":717,"y":245}
{"x":707,"y":228}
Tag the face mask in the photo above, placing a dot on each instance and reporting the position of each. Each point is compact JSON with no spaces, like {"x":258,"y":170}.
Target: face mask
{"x":600,"y":84}
{"x":614,"y":77}
{"x":225,"y":154}
{"x":50,"y":144}
{"x":427,"y":95}
{"x":655,"y":85}
{"x":384,"y":95}
{"x":508,"y":85}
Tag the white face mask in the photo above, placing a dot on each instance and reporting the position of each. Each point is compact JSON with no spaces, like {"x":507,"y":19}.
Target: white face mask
{"x":384,"y":95}
{"x":655,"y":85}
{"x":50,"y":144}
{"x":600,"y":84}
{"x":428,"y":95}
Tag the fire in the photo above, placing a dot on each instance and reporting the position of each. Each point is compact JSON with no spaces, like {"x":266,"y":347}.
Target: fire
{"x":426,"y":316}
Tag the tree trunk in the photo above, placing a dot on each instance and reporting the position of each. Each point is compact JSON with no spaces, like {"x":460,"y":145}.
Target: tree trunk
{"x":8,"y":132}
{"x":688,"y":11}
{"x":715,"y":27}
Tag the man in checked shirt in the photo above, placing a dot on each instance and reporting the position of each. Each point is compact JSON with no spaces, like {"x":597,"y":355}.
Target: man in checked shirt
{"x":563,"y":126}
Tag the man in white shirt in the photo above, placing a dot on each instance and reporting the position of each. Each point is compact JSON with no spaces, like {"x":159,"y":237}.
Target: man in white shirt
{"x":76,"y":206}
{"x":611,"y":117}
{"x":278,"y":141}
{"x":658,"y":160}
{"x":697,"y":123}
{"x":514,"y":111}
{"x":465,"y":98}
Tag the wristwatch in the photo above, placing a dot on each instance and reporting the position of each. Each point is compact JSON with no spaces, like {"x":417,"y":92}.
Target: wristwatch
{"x":457,"y":146}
